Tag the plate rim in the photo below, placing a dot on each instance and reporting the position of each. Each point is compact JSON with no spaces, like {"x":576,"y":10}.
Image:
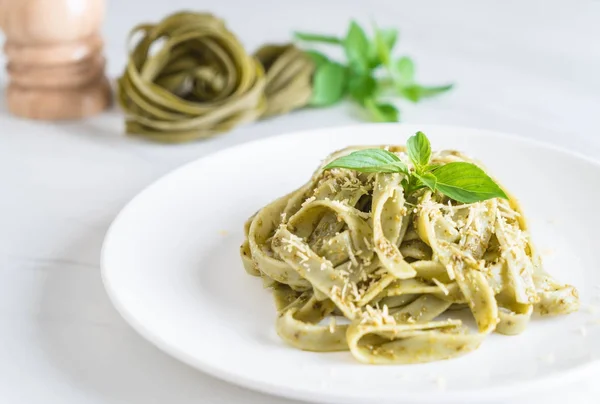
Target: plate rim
{"x":323,"y":395}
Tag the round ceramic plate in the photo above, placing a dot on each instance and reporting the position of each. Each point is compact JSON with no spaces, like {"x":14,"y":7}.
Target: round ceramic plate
{"x":171,"y":267}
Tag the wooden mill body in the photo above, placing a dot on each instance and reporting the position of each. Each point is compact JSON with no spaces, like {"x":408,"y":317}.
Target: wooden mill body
{"x":55,"y":62}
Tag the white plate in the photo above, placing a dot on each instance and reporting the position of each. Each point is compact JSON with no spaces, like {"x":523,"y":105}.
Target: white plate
{"x":170,"y":265}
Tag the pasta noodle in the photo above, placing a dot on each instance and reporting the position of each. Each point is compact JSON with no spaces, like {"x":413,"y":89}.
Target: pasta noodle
{"x":189,"y":77}
{"x":355,"y":264}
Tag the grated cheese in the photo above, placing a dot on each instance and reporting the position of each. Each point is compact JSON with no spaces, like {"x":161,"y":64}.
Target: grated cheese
{"x":355,"y":292}
{"x":441,"y":286}
{"x":450,"y":271}
{"x":344,"y":289}
{"x":332,"y":325}
{"x":373,"y":315}
{"x":352,"y":257}
{"x":303,"y":257}
{"x":308,"y":200}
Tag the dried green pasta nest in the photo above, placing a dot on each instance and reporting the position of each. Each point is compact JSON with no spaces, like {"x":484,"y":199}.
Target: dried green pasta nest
{"x":289,"y":77}
{"x":189,"y":77}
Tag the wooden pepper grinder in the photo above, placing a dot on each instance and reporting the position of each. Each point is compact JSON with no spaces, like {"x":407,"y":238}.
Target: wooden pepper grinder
{"x":55,"y":61}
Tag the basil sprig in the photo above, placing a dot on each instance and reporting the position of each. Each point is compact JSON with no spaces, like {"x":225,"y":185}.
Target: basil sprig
{"x":464,"y":182}
{"x":371,"y":73}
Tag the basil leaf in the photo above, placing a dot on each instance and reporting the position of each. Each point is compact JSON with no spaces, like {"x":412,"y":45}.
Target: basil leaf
{"x":317,"y":57}
{"x":356,"y":46}
{"x":384,"y":42}
{"x":427,"y":179}
{"x":361,"y":87}
{"x":390,"y":36}
{"x":305,"y":36}
{"x":466,"y":183}
{"x":329,"y":84}
{"x":370,"y":161}
{"x":416,"y":92}
{"x":419,"y":150}
{"x":382,"y":112}
{"x":403,"y":72}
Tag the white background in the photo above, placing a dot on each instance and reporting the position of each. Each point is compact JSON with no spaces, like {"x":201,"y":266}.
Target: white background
{"x":527,"y":67}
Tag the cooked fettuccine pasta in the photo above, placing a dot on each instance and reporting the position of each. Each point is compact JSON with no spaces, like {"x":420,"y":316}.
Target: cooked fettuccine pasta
{"x":355,"y":264}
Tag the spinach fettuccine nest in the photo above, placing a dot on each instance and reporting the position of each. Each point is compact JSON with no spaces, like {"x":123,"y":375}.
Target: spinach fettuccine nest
{"x":357,"y":264}
{"x":189,"y":77}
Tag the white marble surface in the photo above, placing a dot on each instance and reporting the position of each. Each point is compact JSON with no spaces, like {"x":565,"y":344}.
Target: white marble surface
{"x":528,"y":67}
